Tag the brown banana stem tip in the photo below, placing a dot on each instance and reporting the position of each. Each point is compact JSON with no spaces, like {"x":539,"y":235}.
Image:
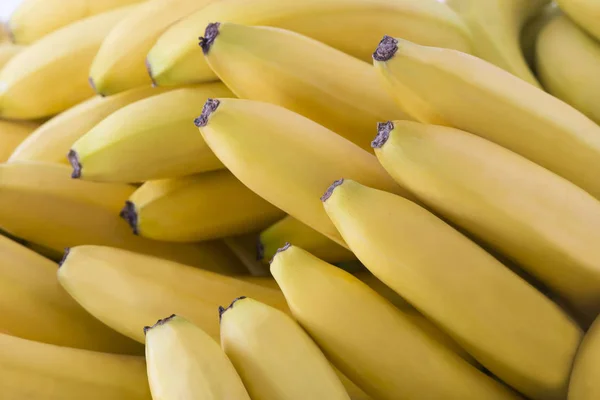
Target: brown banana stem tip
{"x":386,"y":49}
{"x":159,"y":323}
{"x":260,"y":249}
{"x":129,"y":214}
{"x":64,"y":257}
{"x":210,"y":107}
{"x":383,"y":134}
{"x":149,"y":69}
{"x":330,"y":190}
{"x":286,"y":246}
{"x":74,"y":160}
{"x":210,"y":34}
{"x":222,"y":310}
{"x":93,"y":85}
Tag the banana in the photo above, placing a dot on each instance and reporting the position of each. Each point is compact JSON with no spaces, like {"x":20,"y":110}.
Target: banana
{"x":301,"y":74}
{"x":53,"y":140}
{"x":11,"y":135}
{"x":128,"y":291}
{"x":531,"y":30}
{"x":496,"y":27}
{"x":585,"y":13}
{"x":505,"y":201}
{"x":354,"y":391}
{"x":584,"y":383}
{"x":275,"y":358}
{"x":567,"y":62}
{"x":286,"y":158}
{"x":52,"y":74}
{"x":493,"y":104}
{"x":244,"y":247}
{"x":151,"y":139}
{"x":347,"y":25}
{"x":183,"y":362}
{"x":197,"y":207}
{"x":39,"y":371}
{"x":8,"y":51}
{"x":41,"y":204}
{"x":376,"y":345}
{"x":120,"y":62}
{"x":509,"y":327}
{"x":289,"y":229}
{"x":35,"y":307}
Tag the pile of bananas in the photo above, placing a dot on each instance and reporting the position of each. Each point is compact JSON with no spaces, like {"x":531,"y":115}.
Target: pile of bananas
{"x":300,"y":200}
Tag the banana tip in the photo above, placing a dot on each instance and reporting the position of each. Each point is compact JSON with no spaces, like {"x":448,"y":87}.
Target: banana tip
{"x":64,"y":257}
{"x":74,"y":161}
{"x":388,"y":46}
{"x":383,"y":134}
{"x":222,"y":309}
{"x":286,"y":246}
{"x":159,"y":323}
{"x":210,"y":107}
{"x":260,"y":249}
{"x":210,"y":34}
{"x":129,"y":214}
{"x":149,"y":69}
{"x":330,"y":190}
{"x":93,"y":85}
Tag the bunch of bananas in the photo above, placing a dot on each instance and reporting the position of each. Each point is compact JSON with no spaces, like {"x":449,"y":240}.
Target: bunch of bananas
{"x":300,"y":200}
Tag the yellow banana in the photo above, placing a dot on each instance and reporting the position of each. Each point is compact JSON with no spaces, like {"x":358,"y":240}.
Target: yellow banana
{"x":128,"y":291}
{"x":568,"y":60}
{"x":151,"y":139}
{"x":12,"y":134}
{"x":586,"y":13}
{"x":376,"y":345}
{"x":120,"y":62}
{"x":52,"y":75}
{"x":41,"y":204}
{"x":354,"y":391}
{"x":584,"y":384}
{"x":275,"y":358}
{"x":351,"y":26}
{"x":496,"y":27}
{"x":301,"y":74}
{"x":51,"y":141}
{"x":183,"y":362}
{"x":8,"y":51}
{"x":289,"y":229}
{"x":34,"y":19}
{"x":286,"y":158}
{"x":507,"y":325}
{"x":197,"y":207}
{"x":531,"y":30}
{"x":39,"y":371}
{"x":35,"y":307}
{"x":493,"y":104}
{"x":505,"y":201}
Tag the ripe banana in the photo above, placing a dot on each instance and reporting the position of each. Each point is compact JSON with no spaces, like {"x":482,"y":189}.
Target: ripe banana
{"x":41,"y":204}
{"x":586,"y":13}
{"x":568,"y":60}
{"x":584,"y":384}
{"x":52,"y":74}
{"x":286,"y":158}
{"x":8,"y":51}
{"x":509,"y":327}
{"x":197,"y":207}
{"x":301,"y":74}
{"x":351,"y":26}
{"x":128,"y":291}
{"x":120,"y":62}
{"x":35,"y":307}
{"x":531,"y":30}
{"x":11,"y":135}
{"x":496,"y":27}
{"x":275,"y":358}
{"x":494,"y":105}
{"x":289,"y":229}
{"x":370,"y":340}
{"x":183,"y":362}
{"x":34,"y":19}
{"x":151,"y":139}
{"x":52,"y":141}
{"x":39,"y":371}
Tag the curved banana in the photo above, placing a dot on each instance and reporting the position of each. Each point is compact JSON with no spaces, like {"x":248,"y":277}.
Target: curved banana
{"x":41,"y":204}
{"x":290,"y":230}
{"x":568,"y":60}
{"x":586,"y":13}
{"x":53,"y":139}
{"x":531,"y":30}
{"x":159,"y":131}
{"x":128,"y":291}
{"x":34,"y":19}
{"x":507,"y":325}
{"x":197,"y":207}
{"x":51,"y":75}
{"x":12,"y":134}
{"x":376,"y":345}
{"x":8,"y":51}
{"x":39,"y":371}
{"x":494,"y":105}
{"x":351,"y":26}
{"x":584,"y":384}
{"x":120,"y":62}
{"x":303,"y":75}
{"x":183,"y":362}
{"x":286,"y":158}
{"x":275,"y":358}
